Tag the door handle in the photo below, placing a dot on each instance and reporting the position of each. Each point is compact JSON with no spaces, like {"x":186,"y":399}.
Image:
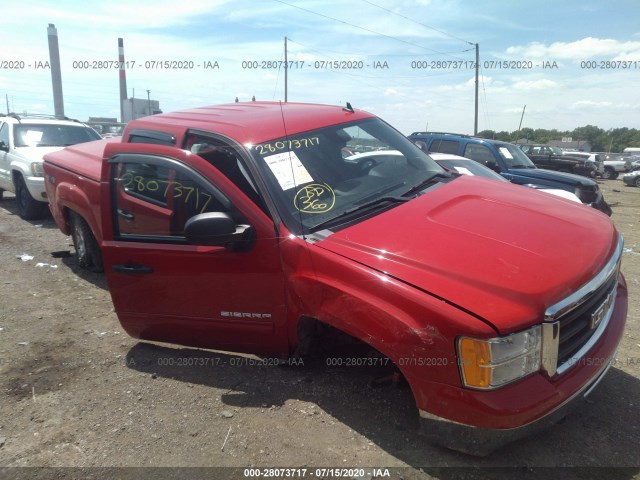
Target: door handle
{"x":124,"y":214}
{"x":132,"y":269}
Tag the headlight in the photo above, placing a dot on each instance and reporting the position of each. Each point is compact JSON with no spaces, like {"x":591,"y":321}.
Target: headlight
{"x":490,"y":363}
{"x":36,"y":169}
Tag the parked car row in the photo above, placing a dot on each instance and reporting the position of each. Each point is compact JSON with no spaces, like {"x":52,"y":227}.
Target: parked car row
{"x":553,"y":158}
{"x":513,"y":164}
{"x":590,"y":164}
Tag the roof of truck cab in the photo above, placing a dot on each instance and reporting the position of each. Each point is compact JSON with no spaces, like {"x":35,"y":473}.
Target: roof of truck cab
{"x":249,"y":122}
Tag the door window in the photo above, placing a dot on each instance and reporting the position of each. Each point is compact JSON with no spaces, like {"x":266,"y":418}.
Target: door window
{"x":445,"y":146}
{"x":479,"y":153}
{"x":155,"y":197}
{"x":4,"y":134}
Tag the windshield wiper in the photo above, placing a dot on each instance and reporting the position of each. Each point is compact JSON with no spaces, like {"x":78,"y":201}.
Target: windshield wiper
{"x":424,"y":184}
{"x":364,"y":206}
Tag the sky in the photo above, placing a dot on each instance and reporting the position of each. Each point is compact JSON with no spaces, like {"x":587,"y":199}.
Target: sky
{"x":411,"y":62}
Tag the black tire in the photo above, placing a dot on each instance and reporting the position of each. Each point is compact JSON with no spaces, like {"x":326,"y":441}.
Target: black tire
{"x":87,"y":249}
{"x":609,"y":174}
{"x":636,"y":182}
{"x":1,"y":193}
{"x":28,"y":207}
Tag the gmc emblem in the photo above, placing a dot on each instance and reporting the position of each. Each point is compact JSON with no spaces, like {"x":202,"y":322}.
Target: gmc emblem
{"x":601,"y":311}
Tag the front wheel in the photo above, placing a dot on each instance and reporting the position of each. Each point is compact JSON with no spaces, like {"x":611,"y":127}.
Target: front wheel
{"x":28,"y":208}
{"x":609,"y":174}
{"x":636,"y":182}
{"x":87,"y":248}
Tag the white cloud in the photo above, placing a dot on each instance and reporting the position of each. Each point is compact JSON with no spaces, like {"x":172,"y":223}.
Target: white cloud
{"x":541,"y":84}
{"x":118,"y":14}
{"x":590,"y":104}
{"x":585,"y":49}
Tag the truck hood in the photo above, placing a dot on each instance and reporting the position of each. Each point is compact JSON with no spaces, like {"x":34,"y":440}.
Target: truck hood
{"x":547,"y":177}
{"x":499,"y":251}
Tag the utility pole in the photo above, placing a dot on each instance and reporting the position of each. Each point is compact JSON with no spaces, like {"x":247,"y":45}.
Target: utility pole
{"x":475,"y":120}
{"x":6,"y":96}
{"x":286,"y":70}
{"x":56,"y":75}
{"x":521,"y":117}
{"x":149,"y":101}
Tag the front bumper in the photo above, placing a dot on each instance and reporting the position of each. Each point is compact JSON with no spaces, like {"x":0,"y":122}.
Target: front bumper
{"x":601,"y":205}
{"x":36,"y":188}
{"x":479,"y":422}
{"x":483,"y":441}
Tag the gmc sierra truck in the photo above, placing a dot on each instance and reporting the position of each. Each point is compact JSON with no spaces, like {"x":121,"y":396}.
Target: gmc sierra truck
{"x":242,"y":227}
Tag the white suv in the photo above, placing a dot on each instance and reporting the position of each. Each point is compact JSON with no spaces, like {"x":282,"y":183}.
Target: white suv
{"x":23,"y":142}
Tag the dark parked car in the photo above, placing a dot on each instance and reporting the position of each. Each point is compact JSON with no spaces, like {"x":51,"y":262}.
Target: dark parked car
{"x":512,"y":163}
{"x":553,"y":158}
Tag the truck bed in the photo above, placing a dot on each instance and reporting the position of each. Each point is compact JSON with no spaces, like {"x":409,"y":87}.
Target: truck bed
{"x":84,"y":159}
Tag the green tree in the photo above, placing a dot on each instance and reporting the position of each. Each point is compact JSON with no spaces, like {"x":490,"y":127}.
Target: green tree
{"x":487,"y":134}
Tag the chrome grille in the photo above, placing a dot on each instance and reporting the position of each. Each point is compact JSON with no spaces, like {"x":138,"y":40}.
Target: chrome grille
{"x":580,"y":319}
{"x":576,"y":327}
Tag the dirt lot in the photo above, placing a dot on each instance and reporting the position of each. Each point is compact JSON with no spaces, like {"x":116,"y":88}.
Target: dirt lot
{"x":78,"y":392}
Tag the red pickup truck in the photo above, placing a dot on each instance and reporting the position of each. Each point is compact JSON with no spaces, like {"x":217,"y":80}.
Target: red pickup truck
{"x":256,"y":227}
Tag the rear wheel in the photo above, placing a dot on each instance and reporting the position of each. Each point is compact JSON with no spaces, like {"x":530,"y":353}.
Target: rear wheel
{"x":87,"y":248}
{"x":636,"y":182}
{"x":28,"y":208}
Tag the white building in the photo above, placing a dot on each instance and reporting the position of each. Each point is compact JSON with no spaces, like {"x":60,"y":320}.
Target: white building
{"x":133,"y":108}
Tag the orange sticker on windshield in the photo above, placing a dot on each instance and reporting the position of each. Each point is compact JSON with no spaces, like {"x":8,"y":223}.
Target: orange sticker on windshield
{"x":315,"y":198}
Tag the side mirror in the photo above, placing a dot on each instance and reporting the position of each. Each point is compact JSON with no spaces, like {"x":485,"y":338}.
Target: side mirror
{"x":492,"y":164}
{"x":4,"y":147}
{"x":218,"y":229}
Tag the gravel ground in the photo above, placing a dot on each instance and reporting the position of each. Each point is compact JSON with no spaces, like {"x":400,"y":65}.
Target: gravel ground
{"x":76,"y":391}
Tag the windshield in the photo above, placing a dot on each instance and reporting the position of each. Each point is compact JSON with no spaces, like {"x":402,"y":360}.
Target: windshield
{"x":326,"y":173}
{"x":513,"y":156}
{"x":52,"y":135}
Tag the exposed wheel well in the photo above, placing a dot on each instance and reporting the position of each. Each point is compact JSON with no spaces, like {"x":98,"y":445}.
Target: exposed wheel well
{"x":318,"y":341}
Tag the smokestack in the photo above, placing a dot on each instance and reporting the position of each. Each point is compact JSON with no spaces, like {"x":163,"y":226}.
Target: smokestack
{"x":123,"y":78}
{"x":56,"y":76}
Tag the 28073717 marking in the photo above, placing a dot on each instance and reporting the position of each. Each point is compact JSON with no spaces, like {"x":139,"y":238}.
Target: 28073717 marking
{"x":610,"y":64}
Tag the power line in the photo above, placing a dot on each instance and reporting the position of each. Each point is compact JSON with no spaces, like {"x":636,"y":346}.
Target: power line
{"x":368,"y":30}
{"x":419,"y":23}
